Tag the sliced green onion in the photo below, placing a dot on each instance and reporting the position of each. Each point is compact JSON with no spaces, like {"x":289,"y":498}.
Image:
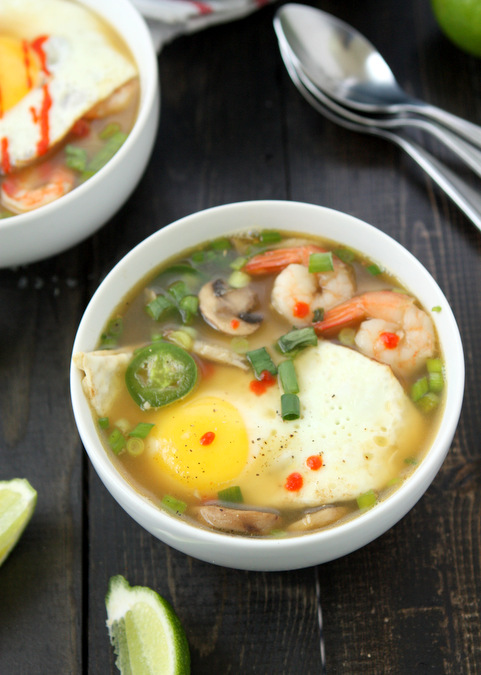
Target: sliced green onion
{"x":419,"y":389}
{"x":178,"y":290}
{"x":112,"y":145}
{"x":297,"y":338}
{"x":277,"y":534}
{"x":135,"y":446}
{"x":344,"y":254}
{"x":318,"y":315}
{"x":239,"y":279}
{"x":174,"y":504}
{"x":346,"y":336}
{"x":321,"y":262}
{"x":287,"y":374}
{"x":113,"y":331}
{"x":367,"y":500}
{"x":436,"y":308}
{"x":117,"y":441}
{"x":109,"y":130}
{"x":374,"y":270}
{"x":270,"y":237}
{"x":198,"y":257}
{"x":238,"y":263}
{"x":158,"y":307}
{"x":239,"y":345}
{"x":428,"y":402}
{"x":410,"y":460}
{"x":123,"y":425}
{"x":434,"y":365}
{"x":188,"y":307}
{"x":290,"y":407}
{"x":75,"y":158}
{"x":103,"y":422}
{"x":436,"y":382}
{"x":142,"y":430}
{"x":231,"y":494}
{"x":181,"y":338}
{"x":221,"y":244}
{"x":260,"y":361}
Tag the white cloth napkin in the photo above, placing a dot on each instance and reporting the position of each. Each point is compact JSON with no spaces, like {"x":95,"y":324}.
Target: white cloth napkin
{"x":167,"y":19}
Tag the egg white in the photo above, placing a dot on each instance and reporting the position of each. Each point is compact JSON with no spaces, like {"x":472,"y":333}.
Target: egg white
{"x":84,"y":67}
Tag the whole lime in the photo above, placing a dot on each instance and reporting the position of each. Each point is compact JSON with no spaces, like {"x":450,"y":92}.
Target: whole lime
{"x":460,"y":20}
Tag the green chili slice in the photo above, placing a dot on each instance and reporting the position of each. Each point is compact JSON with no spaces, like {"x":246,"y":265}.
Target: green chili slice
{"x":287,"y":373}
{"x":159,"y":374}
{"x":290,"y":407}
{"x":260,"y":361}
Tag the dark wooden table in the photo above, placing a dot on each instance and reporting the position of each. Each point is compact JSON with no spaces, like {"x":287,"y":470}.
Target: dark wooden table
{"x":234,"y":128}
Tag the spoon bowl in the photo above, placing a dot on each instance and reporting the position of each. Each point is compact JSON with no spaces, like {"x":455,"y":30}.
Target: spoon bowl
{"x":343,"y":64}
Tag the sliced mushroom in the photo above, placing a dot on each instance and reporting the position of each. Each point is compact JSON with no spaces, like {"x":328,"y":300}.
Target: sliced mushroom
{"x":228,"y":309}
{"x":219,"y":354}
{"x":314,"y":520}
{"x":242,"y":521}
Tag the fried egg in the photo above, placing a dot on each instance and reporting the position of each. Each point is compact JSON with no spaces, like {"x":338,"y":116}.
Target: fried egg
{"x":56,"y":63}
{"x":356,"y":422}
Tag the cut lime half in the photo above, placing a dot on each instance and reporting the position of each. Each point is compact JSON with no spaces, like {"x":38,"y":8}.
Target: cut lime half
{"x":17,"y":504}
{"x":145,"y":632}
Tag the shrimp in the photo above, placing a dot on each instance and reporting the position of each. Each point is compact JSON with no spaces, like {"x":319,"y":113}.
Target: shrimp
{"x":35,"y":187}
{"x":116,"y":102}
{"x":392,"y":330}
{"x":297,"y":293}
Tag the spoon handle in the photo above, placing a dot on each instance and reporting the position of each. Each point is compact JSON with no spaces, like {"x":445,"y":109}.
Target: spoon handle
{"x":467,"y":199}
{"x":467,"y":130}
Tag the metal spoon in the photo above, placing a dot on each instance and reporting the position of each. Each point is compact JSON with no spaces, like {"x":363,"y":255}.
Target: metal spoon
{"x":465,"y":151}
{"x":460,"y":192}
{"x":347,"y":67}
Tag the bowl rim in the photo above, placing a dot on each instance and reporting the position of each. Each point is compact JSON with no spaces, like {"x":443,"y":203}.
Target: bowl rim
{"x":147,"y":68}
{"x":346,"y":536}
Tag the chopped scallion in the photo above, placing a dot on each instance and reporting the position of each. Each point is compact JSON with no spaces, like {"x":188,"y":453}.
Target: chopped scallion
{"x":220,"y":244}
{"x":321,"y":262}
{"x":239,"y":345}
{"x":103,"y":422}
{"x":142,"y":430}
{"x":181,"y":338}
{"x":290,"y":407}
{"x":345,"y":254}
{"x":112,"y":145}
{"x":270,"y":237}
{"x":260,"y":361}
{"x":374,"y":269}
{"x":318,"y":315}
{"x":419,"y":388}
{"x":428,"y":402}
{"x":239,"y":279}
{"x":135,"y":446}
{"x":117,"y":441}
{"x":75,"y":158}
{"x":109,"y":130}
{"x":410,"y":460}
{"x":174,"y":504}
{"x":436,"y":308}
{"x":238,"y":263}
{"x":158,"y":307}
{"x":436,"y":382}
{"x":346,"y":336}
{"x":287,"y":374}
{"x":231,"y":494}
{"x":367,"y":500}
{"x":297,"y":338}
{"x":434,"y":365}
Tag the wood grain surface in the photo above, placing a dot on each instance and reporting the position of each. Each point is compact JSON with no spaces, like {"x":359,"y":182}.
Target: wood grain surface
{"x":234,"y":128}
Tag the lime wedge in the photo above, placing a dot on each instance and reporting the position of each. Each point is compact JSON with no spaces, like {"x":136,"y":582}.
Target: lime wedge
{"x":146,"y":634}
{"x":17,"y":504}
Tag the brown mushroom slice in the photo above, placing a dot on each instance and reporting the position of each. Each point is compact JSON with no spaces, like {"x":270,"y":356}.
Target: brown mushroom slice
{"x":323,"y":517}
{"x":242,"y":521}
{"x":219,"y":354}
{"x":228,"y":309}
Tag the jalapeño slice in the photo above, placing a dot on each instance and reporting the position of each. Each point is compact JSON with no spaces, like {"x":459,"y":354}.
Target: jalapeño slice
{"x":159,"y":374}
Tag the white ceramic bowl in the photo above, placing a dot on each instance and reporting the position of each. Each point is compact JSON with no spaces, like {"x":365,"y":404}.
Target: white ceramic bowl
{"x":57,"y":226}
{"x":307,"y":549}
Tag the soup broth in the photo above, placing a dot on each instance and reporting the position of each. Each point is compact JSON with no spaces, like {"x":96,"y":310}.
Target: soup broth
{"x":267,"y":384}
{"x":69,"y":95}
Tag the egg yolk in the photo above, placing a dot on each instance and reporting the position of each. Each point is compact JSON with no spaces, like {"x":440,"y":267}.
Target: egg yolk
{"x":186,"y":456}
{"x":19,"y":70}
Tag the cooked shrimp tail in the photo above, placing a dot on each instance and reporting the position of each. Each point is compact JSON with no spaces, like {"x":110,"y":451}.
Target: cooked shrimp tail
{"x":276,"y":260}
{"x":35,"y":188}
{"x":393,"y":329}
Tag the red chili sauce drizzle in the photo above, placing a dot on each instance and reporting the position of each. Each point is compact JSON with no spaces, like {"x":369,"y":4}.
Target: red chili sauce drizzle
{"x":207,"y":438}
{"x":259,"y":387}
{"x":294,"y":482}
